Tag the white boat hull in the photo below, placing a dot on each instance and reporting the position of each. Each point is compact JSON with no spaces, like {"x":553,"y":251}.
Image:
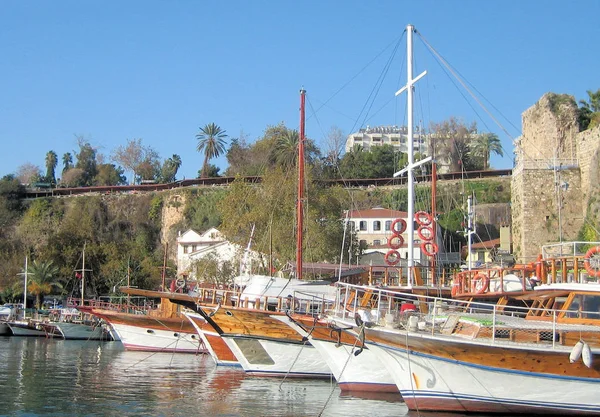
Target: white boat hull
{"x":24,"y":329}
{"x":154,"y":340}
{"x":432,"y":383}
{"x":79,"y":331}
{"x":353,"y":373}
{"x":275,"y":358}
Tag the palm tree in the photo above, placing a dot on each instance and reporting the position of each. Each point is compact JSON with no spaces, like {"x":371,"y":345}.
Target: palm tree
{"x":67,"y":160}
{"x":486,"y":144}
{"x":42,"y":279}
{"x":211,"y":141}
{"x":51,"y":161}
{"x":285,"y":151}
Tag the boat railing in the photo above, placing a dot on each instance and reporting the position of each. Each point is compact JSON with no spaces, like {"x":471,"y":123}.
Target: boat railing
{"x":487,"y":323}
{"x":574,"y":268}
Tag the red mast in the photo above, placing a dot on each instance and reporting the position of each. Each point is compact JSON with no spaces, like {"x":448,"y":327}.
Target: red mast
{"x":300,"y":202}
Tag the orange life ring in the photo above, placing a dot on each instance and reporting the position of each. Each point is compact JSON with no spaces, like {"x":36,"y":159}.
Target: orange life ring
{"x":427,"y":251}
{"x":425,"y":236}
{"x":395,"y":245}
{"x":423,"y":218}
{"x":485,"y":283}
{"x":395,"y":260}
{"x":586,"y":264}
{"x":402,"y":228}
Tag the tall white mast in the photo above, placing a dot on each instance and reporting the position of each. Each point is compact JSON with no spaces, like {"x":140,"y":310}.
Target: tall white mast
{"x":25,"y":291}
{"x":410,"y":230}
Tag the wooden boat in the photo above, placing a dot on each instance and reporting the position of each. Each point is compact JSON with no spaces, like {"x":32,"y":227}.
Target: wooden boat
{"x":451,"y":355}
{"x":161,"y":330}
{"x":261,"y":342}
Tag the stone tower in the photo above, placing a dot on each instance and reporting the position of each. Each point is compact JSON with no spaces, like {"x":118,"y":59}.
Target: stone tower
{"x":549,"y":180}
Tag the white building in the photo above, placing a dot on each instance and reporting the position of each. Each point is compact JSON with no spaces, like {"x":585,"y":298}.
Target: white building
{"x":193,"y":246}
{"x":387,"y":135}
{"x":374,"y":228}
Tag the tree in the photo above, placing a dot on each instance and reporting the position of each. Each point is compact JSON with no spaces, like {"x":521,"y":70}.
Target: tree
{"x":67,"y":160}
{"x":484,"y":145}
{"x":169,"y":168}
{"x":110,"y":174}
{"x":589,"y":111}
{"x":74,"y":177}
{"x":449,"y":144}
{"x":149,"y":167}
{"x":86,"y":161}
{"x":42,"y":279}
{"x":285,"y":151}
{"x":28,"y":173}
{"x":129,"y":156}
{"x":211,"y":172}
{"x":51,"y":162}
{"x":211,"y":141}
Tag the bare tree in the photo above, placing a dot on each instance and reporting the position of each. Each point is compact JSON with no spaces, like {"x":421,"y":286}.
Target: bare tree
{"x":335,"y":144}
{"x":135,"y":157}
{"x":28,"y":173}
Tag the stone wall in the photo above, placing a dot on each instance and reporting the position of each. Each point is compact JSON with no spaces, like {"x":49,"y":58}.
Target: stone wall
{"x":555,"y":175}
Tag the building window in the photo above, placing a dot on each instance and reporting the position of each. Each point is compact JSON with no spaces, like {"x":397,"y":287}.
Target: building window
{"x":363,"y":225}
{"x":186,"y":249}
{"x":363,"y":243}
{"x":194,"y":248}
{"x":481,"y":256}
{"x":377,"y":242}
{"x":351,"y":225}
{"x":388,"y":225}
{"x":376,"y":225}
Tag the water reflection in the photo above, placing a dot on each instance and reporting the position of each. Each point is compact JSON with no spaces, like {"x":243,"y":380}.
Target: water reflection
{"x":46,"y":377}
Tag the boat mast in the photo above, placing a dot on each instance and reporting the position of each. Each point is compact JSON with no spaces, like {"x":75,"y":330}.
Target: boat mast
{"x":83,"y":275}
{"x":300,"y":202}
{"x":409,"y":87}
{"x":25,"y":292}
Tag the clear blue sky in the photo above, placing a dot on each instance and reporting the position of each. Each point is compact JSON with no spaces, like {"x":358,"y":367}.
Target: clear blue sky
{"x":158,"y":70}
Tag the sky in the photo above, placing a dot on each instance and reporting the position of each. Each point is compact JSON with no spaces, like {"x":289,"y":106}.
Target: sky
{"x":113,"y":71}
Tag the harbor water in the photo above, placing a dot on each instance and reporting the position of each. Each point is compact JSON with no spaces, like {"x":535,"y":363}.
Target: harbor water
{"x":46,"y":377}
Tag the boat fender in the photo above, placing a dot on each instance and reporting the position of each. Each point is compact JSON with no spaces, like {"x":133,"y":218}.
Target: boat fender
{"x":586,"y":355}
{"x":576,"y":352}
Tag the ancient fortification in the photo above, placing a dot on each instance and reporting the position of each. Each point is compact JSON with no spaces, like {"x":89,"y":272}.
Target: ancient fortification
{"x":555,"y":178}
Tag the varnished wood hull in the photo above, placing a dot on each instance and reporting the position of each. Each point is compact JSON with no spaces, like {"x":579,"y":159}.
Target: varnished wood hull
{"x":440,"y":374}
{"x":215,"y":345}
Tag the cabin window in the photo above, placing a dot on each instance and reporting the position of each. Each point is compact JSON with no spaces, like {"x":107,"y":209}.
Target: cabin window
{"x":388,"y":225}
{"x":590,"y":306}
{"x":376,"y":225}
{"x":363,"y":225}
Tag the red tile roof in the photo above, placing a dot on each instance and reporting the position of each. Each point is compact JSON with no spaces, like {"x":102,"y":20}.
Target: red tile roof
{"x":489,"y":244}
